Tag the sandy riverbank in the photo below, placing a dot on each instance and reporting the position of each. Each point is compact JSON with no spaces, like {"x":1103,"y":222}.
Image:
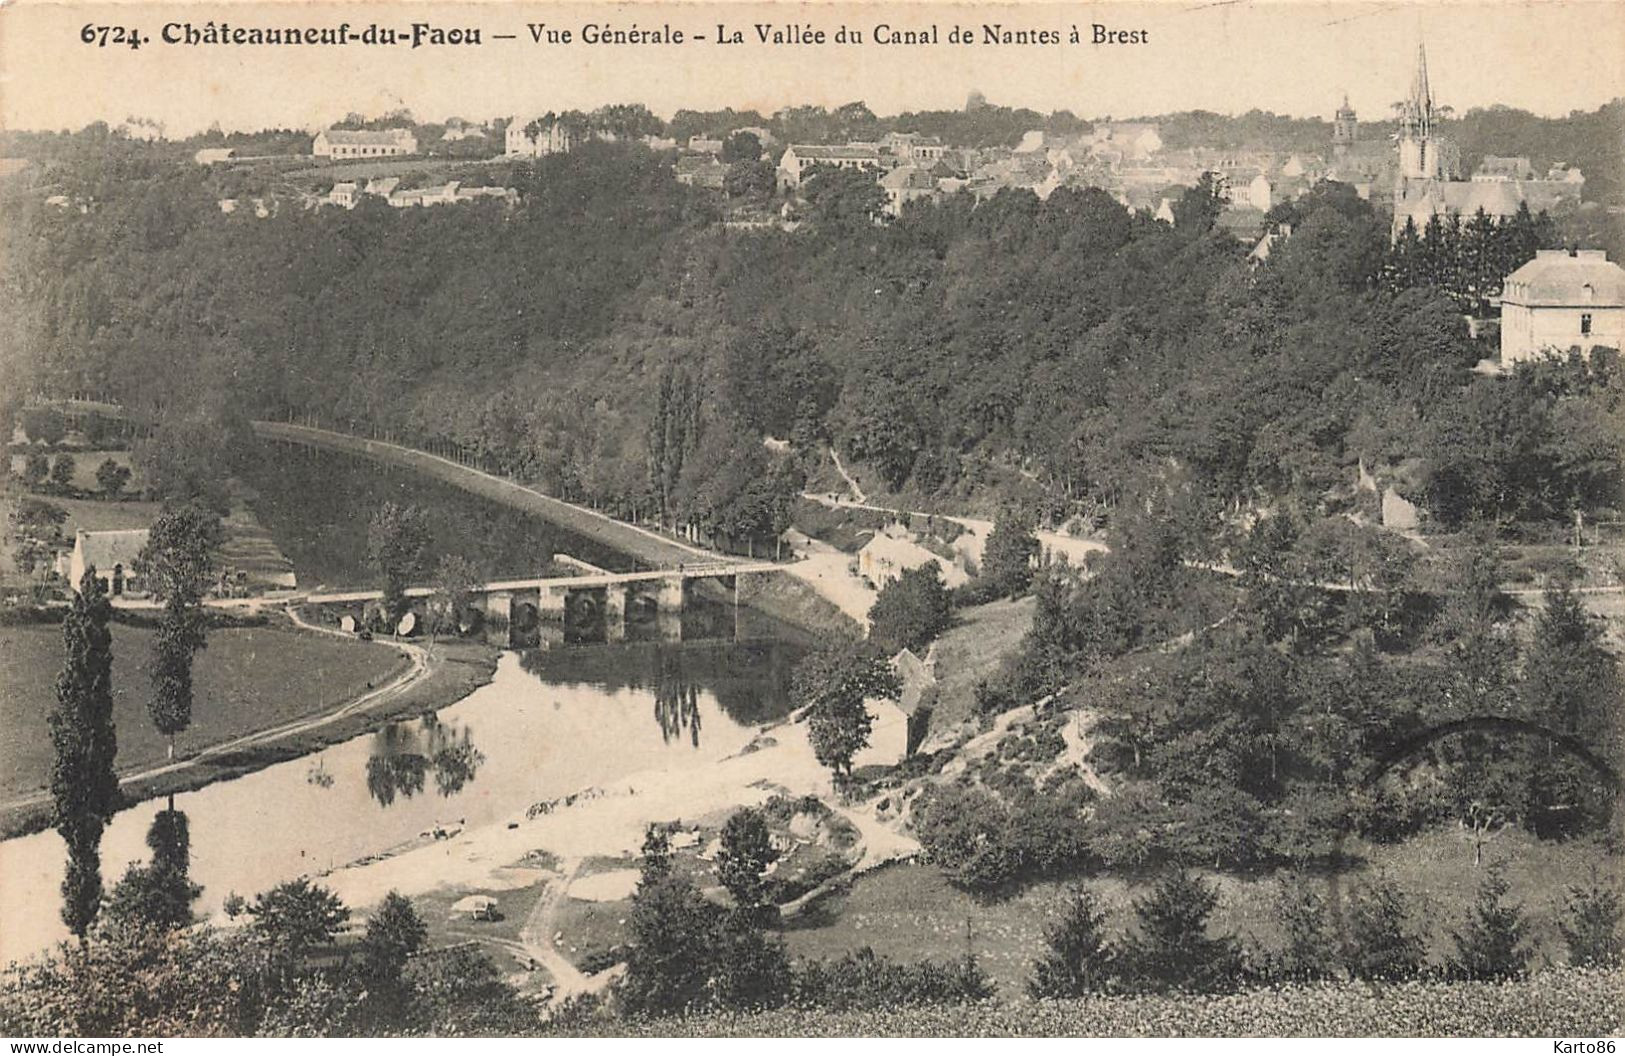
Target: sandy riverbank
{"x":599,"y":822}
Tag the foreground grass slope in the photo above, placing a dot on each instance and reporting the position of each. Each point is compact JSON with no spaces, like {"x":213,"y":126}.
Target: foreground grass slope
{"x":911,"y":911}
{"x":1564,"y":1003}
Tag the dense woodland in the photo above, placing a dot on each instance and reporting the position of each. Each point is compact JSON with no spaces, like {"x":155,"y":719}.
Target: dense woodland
{"x":609,"y":341}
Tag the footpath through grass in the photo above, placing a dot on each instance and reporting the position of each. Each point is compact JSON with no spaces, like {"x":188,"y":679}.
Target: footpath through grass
{"x":249,"y":678}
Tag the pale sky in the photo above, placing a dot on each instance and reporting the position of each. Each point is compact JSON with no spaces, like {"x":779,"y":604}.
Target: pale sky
{"x":1290,"y":57}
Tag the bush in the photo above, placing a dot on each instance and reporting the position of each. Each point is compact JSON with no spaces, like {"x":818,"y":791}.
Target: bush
{"x":36,"y":467}
{"x":1079,"y":959}
{"x":1381,"y":945}
{"x":1559,"y":1003}
{"x":1172,"y":949}
{"x":1590,"y":925}
{"x":62,"y":471}
{"x":866,"y":980}
{"x":1309,"y":949}
{"x":111,"y":478}
{"x":966,"y":832}
{"x":781,"y":888}
{"x":911,"y":610}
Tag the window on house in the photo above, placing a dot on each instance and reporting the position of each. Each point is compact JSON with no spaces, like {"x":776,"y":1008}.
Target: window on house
{"x":1585,"y":325}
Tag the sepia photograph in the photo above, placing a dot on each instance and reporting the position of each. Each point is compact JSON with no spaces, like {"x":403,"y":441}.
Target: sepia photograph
{"x":886,"y":519}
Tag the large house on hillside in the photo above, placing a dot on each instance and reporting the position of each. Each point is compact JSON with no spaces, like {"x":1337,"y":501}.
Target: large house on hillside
{"x":532,"y":138}
{"x":800,"y":157}
{"x":346,"y":143}
{"x":1562,"y":300}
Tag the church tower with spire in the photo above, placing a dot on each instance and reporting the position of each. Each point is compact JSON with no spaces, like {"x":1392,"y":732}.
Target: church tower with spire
{"x":1420,"y":153}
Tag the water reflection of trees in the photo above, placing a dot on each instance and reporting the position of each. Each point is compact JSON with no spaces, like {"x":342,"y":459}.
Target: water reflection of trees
{"x":749,"y":680}
{"x":159,"y":894}
{"x":403,"y":755}
{"x":677,"y":699}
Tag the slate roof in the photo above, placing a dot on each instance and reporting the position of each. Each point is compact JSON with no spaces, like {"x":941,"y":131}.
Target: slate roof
{"x":1555,"y":278}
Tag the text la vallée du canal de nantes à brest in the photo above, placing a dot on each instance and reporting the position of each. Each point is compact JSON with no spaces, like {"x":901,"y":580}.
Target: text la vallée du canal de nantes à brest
{"x":426,"y":34}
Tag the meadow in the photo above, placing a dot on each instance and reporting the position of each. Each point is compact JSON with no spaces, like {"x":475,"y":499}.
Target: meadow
{"x":248,"y":678}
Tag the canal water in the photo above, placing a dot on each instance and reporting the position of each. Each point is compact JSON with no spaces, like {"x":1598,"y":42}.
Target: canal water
{"x":317,"y":504}
{"x":549,"y":724}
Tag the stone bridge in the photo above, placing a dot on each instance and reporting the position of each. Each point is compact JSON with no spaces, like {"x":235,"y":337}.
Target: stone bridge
{"x":521,"y":612}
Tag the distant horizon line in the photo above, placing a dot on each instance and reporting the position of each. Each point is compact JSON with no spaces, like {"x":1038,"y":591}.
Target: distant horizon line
{"x":312,"y":129}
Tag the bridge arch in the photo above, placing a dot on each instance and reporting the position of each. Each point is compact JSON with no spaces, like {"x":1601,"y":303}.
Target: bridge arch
{"x":524,"y":624}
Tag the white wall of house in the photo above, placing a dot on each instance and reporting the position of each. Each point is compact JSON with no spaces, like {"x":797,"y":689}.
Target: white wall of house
{"x":1529,"y":332}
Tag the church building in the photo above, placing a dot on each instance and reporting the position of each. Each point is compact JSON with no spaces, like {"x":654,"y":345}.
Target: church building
{"x":1429,"y":182}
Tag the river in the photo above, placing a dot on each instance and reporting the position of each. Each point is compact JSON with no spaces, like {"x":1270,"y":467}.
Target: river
{"x":548,"y":724}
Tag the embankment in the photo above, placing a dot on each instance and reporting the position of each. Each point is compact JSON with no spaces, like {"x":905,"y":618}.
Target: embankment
{"x":656,"y":551}
{"x":779,"y":596}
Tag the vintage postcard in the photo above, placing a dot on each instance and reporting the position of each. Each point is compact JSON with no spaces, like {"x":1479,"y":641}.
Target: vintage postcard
{"x":884,"y":519}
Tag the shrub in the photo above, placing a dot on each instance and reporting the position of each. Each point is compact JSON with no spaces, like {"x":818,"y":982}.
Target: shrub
{"x":1381,"y":945}
{"x":1173,"y":950}
{"x":747,"y":850}
{"x":62,"y":471}
{"x":966,"y":832}
{"x":1559,"y":1003}
{"x":1491,"y":945}
{"x":36,"y":467}
{"x":911,"y":610}
{"x":782,"y":889}
{"x":752,"y":969}
{"x":673,"y":931}
{"x":1079,"y":960}
{"x":1590,"y":925}
{"x":111,"y":478}
{"x":865,"y":980}
{"x":1309,"y":949}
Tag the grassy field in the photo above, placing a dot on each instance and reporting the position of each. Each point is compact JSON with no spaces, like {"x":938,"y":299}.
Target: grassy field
{"x":498,"y":938}
{"x":85,"y":464}
{"x":247,"y":679}
{"x":971,"y":650}
{"x":910,"y":911}
{"x":1562,"y":1004}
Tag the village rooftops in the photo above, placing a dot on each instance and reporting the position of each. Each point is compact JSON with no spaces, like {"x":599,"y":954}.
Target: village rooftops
{"x":909,"y":178}
{"x":1556,"y":278}
{"x":1495,"y":167}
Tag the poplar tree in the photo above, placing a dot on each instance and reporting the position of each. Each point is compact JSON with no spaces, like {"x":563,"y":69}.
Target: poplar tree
{"x":178,"y":563}
{"x":84,"y":787}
